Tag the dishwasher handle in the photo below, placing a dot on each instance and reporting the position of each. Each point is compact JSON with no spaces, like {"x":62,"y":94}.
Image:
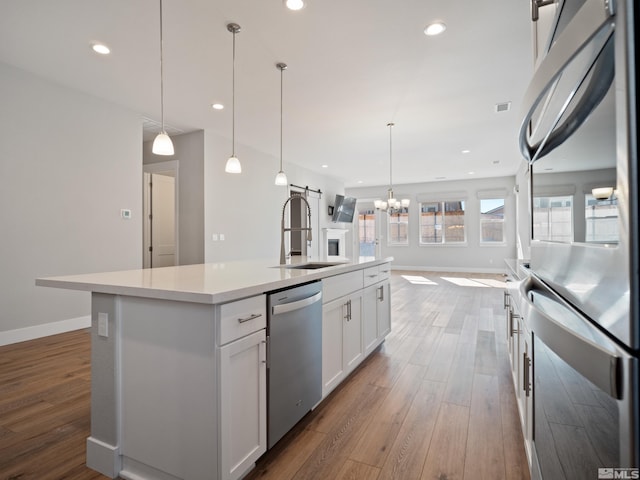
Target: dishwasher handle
{"x":297,"y":305}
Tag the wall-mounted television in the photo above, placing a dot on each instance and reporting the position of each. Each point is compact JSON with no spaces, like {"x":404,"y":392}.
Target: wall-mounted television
{"x":344,"y":209}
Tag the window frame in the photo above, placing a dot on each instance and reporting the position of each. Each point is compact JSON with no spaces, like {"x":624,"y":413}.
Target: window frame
{"x":390,"y":242}
{"x":481,"y":221}
{"x":443,"y":242}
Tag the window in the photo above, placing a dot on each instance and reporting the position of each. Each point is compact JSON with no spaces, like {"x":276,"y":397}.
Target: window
{"x":553,"y":218}
{"x":398,"y":227}
{"x":492,"y":220}
{"x":367,"y":227}
{"x":601,"y":218}
{"x":442,"y":222}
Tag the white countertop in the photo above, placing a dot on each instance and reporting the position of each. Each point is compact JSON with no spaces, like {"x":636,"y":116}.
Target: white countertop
{"x":204,"y":283}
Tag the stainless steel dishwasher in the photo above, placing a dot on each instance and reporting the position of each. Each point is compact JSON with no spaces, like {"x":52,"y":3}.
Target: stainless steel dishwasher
{"x":294,"y":366}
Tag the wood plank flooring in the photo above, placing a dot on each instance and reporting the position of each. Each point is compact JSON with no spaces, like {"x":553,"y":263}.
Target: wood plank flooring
{"x":434,"y":402}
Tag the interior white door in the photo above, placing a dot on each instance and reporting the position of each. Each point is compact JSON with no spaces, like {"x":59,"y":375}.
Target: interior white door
{"x":163,"y":220}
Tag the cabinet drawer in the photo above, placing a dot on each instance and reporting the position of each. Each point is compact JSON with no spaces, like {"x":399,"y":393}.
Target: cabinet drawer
{"x":371,"y":276}
{"x":341,"y":285}
{"x":241,"y":318}
{"x":377,"y":274}
{"x":384,"y":271}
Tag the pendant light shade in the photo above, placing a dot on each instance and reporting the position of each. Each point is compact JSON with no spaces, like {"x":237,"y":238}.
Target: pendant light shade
{"x":233,"y":164}
{"x":281,"y":177}
{"x":162,"y":145}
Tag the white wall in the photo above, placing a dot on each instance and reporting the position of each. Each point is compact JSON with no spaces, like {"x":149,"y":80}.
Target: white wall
{"x":247,"y":208}
{"x":68,"y":163}
{"x":189,"y":153}
{"x":471,"y":257}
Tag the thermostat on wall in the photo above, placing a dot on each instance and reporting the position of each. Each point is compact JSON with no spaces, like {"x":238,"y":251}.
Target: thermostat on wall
{"x":125,"y":213}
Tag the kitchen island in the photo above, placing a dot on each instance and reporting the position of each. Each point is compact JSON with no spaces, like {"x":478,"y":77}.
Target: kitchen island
{"x":179,"y":359}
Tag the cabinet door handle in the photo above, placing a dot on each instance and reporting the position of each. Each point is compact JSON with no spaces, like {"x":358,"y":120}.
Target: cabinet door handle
{"x":253,"y":316}
{"x":525,"y":374}
{"x":535,"y":6}
{"x":348,"y":310}
{"x":514,"y":316}
{"x":263,"y":351}
{"x":505,"y":299}
{"x":381,"y":297}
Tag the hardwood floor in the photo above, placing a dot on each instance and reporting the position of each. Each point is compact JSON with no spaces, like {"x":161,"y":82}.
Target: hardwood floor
{"x":434,"y":402}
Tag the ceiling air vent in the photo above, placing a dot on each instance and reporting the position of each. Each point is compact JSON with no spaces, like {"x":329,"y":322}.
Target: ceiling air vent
{"x":503,"y":107}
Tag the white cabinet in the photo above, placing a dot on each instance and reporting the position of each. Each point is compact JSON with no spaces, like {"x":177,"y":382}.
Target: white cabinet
{"x":342,"y":348}
{"x":519,"y":346}
{"x":242,"y":384}
{"x":376,"y":316}
{"x":356,"y":317}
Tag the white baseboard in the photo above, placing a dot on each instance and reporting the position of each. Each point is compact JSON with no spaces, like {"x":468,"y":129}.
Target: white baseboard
{"x":38,"y":331}
{"x":448,"y":269}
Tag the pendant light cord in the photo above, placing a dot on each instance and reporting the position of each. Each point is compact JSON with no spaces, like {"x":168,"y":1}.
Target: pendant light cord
{"x":390,"y":125}
{"x":281,"y":77}
{"x":233,"y":98}
{"x":161,"y":74}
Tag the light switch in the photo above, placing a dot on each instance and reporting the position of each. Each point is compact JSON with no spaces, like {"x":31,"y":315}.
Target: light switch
{"x":103,"y":324}
{"x":214,"y":237}
{"x":221,"y":237}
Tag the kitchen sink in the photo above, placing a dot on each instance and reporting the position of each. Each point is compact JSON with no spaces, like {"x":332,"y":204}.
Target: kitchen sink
{"x":312,"y":265}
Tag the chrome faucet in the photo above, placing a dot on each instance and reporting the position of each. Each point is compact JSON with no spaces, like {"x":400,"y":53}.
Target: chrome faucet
{"x":290,"y":229}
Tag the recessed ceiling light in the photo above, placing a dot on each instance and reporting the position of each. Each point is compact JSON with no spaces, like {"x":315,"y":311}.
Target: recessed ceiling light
{"x":471,"y":173}
{"x":101,"y":49}
{"x":360,"y":181}
{"x":435,"y":28}
{"x":466,"y":151}
{"x":325,"y":166}
{"x":294,"y":4}
{"x":217,"y":106}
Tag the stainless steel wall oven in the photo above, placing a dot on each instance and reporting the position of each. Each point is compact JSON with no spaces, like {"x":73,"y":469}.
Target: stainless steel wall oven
{"x":579,"y":135}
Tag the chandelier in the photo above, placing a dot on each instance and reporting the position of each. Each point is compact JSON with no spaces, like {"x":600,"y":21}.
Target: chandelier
{"x":391,"y":204}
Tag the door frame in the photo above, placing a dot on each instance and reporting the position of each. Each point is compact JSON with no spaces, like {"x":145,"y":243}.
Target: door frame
{"x":168,"y":167}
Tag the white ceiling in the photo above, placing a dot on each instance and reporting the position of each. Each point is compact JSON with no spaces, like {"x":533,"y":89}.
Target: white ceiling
{"x":354,"y":66}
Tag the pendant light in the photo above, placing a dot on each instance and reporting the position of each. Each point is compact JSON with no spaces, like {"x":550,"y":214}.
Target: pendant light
{"x":162,"y":144}
{"x":391,"y":204}
{"x":281,"y":177}
{"x":233,"y":164}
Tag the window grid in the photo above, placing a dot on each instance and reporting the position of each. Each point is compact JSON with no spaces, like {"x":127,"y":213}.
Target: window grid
{"x":492,"y":221}
{"x":442,"y":222}
{"x":398,"y":228}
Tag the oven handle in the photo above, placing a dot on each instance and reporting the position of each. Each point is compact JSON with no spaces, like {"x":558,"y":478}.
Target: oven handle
{"x":597,"y":364}
{"x":594,"y":18}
